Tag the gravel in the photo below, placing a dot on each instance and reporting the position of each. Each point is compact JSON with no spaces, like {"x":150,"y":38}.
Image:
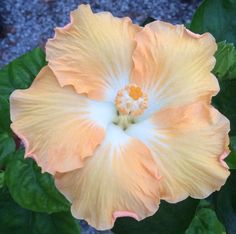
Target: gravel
{"x":25,"y":24}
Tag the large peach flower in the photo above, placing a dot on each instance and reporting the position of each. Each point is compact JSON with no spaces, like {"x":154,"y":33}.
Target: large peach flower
{"x":121,"y":116}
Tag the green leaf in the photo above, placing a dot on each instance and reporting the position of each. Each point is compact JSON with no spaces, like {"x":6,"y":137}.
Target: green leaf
{"x":170,"y":218}
{"x":2,"y":174}
{"x":17,"y":220}
{"x":30,"y":188}
{"x":225,"y":61}
{"x":224,"y":202}
{"x":7,"y":143}
{"x":225,"y":71}
{"x":217,"y":17}
{"x":205,"y":221}
{"x":19,"y":74}
{"x":225,"y":102}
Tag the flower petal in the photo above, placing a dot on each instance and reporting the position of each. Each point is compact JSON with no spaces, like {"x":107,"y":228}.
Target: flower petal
{"x":58,"y":126}
{"x":119,"y":180}
{"x":93,"y":53}
{"x":187,"y":144}
{"x":174,"y":65}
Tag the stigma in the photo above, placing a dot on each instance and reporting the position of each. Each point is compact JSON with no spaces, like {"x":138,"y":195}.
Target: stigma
{"x":131,"y":101}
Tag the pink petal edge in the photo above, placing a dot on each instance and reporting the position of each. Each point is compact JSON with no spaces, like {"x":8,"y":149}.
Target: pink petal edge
{"x":118,"y":214}
{"x":222,"y":157}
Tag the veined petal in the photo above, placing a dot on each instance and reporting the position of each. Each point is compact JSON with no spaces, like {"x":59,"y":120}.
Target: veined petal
{"x":93,"y":53}
{"x":119,"y":180}
{"x":174,"y":65}
{"x":58,"y":126}
{"x":187,"y":144}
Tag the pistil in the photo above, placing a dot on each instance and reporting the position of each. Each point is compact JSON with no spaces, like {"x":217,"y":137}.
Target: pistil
{"x":130,"y":103}
{"x":124,"y":121}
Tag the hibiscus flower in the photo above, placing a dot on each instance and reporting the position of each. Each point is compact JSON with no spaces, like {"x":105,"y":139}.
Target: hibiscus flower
{"x":122,"y":116}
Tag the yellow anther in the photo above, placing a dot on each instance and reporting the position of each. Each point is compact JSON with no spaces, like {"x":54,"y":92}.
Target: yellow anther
{"x":135,"y":92}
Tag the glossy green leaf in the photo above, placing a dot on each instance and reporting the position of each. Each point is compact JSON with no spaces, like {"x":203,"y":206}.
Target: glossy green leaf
{"x":19,"y":74}
{"x":17,"y":220}
{"x":225,"y":67}
{"x":205,"y":221}
{"x":217,"y":17}
{"x":170,"y":219}
{"x":224,"y":202}
{"x":7,"y":143}
{"x":32,"y":189}
{"x":225,"y":71}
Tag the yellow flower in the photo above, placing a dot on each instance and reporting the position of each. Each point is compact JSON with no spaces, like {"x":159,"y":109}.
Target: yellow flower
{"x":121,"y":116}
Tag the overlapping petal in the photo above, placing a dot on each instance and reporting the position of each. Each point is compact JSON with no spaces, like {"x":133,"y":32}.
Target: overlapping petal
{"x":93,"y":53}
{"x":58,"y":126}
{"x":120,"y":179}
{"x":174,"y":65}
{"x":187,"y":144}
